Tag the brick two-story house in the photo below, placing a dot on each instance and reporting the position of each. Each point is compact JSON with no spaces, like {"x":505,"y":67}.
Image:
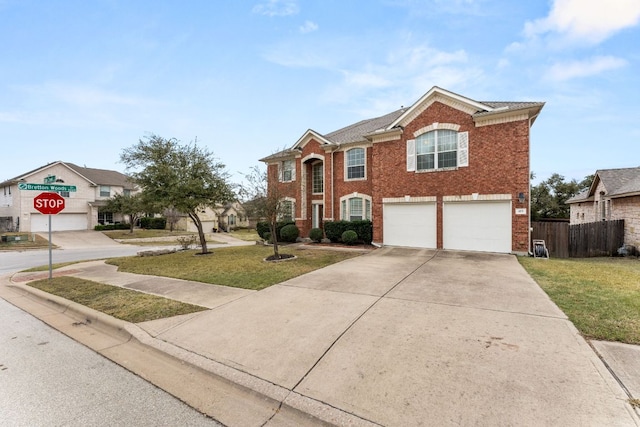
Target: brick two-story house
{"x":447,"y":172}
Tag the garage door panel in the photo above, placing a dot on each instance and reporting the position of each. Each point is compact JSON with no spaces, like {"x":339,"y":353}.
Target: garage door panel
{"x":477,"y":226}
{"x":409,"y":224}
{"x":59,"y":222}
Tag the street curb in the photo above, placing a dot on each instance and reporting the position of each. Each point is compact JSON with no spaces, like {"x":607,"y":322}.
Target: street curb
{"x":286,"y":407}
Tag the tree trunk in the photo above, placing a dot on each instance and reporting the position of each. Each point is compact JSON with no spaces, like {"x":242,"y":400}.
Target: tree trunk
{"x":273,"y":228}
{"x":203,"y":239}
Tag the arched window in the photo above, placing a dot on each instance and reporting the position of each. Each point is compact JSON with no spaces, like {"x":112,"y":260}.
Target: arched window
{"x":355,"y":207}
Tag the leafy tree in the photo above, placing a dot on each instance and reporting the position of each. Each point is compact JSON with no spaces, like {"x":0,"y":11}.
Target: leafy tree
{"x":185,"y":177}
{"x":264,"y":201}
{"x":126,"y":204}
{"x":549,"y":198}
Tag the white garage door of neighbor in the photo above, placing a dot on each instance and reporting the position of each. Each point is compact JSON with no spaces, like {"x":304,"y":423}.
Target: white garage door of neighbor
{"x":59,"y":222}
{"x":409,"y":224}
{"x":477,"y":226}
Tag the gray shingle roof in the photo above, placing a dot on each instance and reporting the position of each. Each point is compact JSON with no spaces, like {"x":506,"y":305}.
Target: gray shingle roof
{"x":620,"y":181}
{"x":97,"y":176}
{"x":506,"y":106}
{"x":356,"y":131}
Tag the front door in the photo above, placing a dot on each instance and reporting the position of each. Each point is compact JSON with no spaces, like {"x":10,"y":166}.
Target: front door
{"x":316,"y":215}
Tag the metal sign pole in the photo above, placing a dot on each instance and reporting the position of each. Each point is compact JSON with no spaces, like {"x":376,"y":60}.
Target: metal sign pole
{"x":50,"y":269}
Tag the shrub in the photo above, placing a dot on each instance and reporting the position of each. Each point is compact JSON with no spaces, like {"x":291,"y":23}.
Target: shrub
{"x":350,"y":237}
{"x":363,"y":228}
{"x":289,"y":233}
{"x":118,"y":226}
{"x":316,"y":234}
{"x":267,"y":237}
{"x":263,"y":227}
{"x":153,"y":223}
{"x":185,"y":242}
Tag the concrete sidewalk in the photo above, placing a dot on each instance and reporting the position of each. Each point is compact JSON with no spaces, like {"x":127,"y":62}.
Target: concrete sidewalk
{"x":396,"y":337}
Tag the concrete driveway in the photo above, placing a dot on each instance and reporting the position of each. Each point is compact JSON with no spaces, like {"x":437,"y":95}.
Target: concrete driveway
{"x":405,"y":337}
{"x":79,"y":239}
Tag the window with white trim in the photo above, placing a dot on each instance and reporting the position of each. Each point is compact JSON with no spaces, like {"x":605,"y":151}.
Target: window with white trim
{"x":438,"y":149}
{"x":287,"y":171}
{"x":317,"y":178}
{"x":287,"y":210}
{"x":105,"y":191}
{"x":355,"y":208}
{"x":355,"y":163}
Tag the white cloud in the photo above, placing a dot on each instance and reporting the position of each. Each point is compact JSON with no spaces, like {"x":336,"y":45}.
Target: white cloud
{"x":308,"y":27}
{"x":590,"y":67}
{"x":277,"y":8}
{"x":586,"y":20}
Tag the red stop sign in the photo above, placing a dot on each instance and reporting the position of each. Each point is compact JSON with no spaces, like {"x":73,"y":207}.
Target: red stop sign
{"x":48,"y":203}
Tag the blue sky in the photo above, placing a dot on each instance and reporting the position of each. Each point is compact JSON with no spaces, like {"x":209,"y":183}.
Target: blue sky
{"x":82,"y":80}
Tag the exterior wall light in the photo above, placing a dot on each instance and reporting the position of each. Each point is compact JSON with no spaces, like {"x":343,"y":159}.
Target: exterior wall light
{"x":521,"y":197}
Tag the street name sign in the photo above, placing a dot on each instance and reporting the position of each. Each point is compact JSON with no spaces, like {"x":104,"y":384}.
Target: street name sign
{"x":48,"y":203}
{"x":46,"y":187}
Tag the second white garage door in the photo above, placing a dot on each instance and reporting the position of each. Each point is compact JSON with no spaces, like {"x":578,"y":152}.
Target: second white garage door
{"x":409,"y":224}
{"x":477,"y":226}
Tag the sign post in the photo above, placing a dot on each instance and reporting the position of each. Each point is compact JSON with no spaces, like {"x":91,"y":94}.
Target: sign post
{"x":49,"y":204}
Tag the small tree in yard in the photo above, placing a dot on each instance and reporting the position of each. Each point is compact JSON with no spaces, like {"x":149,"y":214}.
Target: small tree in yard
{"x":185,"y":177}
{"x":265,"y":202}
{"x":131,"y":205}
{"x":173,"y":216}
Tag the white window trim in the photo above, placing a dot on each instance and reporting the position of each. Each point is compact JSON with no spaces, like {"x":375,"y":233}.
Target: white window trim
{"x":293,"y":208}
{"x":346,"y":166}
{"x":313,"y":166}
{"x":364,"y":197}
{"x":462,"y":153}
{"x":281,"y":171}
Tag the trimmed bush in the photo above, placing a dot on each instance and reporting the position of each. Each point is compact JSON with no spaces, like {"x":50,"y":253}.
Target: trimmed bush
{"x":334,"y":230}
{"x":289,"y":233}
{"x":153,"y":223}
{"x":118,"y":226}
{"x":267,"y":237}
{"x":263,"y":227}
{"x":316,"y":234}
{"x":350,"y":237}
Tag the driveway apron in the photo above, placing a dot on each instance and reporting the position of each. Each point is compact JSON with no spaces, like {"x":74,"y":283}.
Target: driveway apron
{"x":416,"y":337}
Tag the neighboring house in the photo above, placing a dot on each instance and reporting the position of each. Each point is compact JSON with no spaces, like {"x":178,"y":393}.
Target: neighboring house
{"x":221,"y":218}
{"x":82,"y":207}
{"x":614,"y":194}
{"x":447,"y":172}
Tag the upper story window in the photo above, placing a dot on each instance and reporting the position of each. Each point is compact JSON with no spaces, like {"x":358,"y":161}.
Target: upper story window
{"x":317,"y":178}
{"x":438,"y":149}
{"x":64,"y":193}
{"x":355,"y":163}
{"x":105,"y":191}
{"x":126,"y":192}
{"x":288,"y":171}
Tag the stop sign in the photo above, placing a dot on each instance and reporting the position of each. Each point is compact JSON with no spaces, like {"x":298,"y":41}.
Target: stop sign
{"x":48,"y":203}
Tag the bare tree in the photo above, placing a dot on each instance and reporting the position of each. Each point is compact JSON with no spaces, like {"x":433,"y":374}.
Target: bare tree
{"x":264,"y":201}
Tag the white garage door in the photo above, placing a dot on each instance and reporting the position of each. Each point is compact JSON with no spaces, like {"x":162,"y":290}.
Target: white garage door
{"x":477,"y":226}
{"x":409,"y":224}
{"x":59,"y":222}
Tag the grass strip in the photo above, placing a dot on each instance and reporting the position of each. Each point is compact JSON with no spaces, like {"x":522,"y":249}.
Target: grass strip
{"x":124,"y":304}
{"x":601,"y":296}
{"x":240,"y":267}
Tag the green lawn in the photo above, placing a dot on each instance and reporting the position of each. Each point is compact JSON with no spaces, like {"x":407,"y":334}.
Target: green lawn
{"x":139,"y":233}
{"x":240,"y":267}
{"x":601,"y":296}
{"x":121,"y":303}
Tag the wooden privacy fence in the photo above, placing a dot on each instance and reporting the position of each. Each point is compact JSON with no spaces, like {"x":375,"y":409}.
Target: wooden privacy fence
{"x":593,"y":239}
{"x":555,"y":236}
